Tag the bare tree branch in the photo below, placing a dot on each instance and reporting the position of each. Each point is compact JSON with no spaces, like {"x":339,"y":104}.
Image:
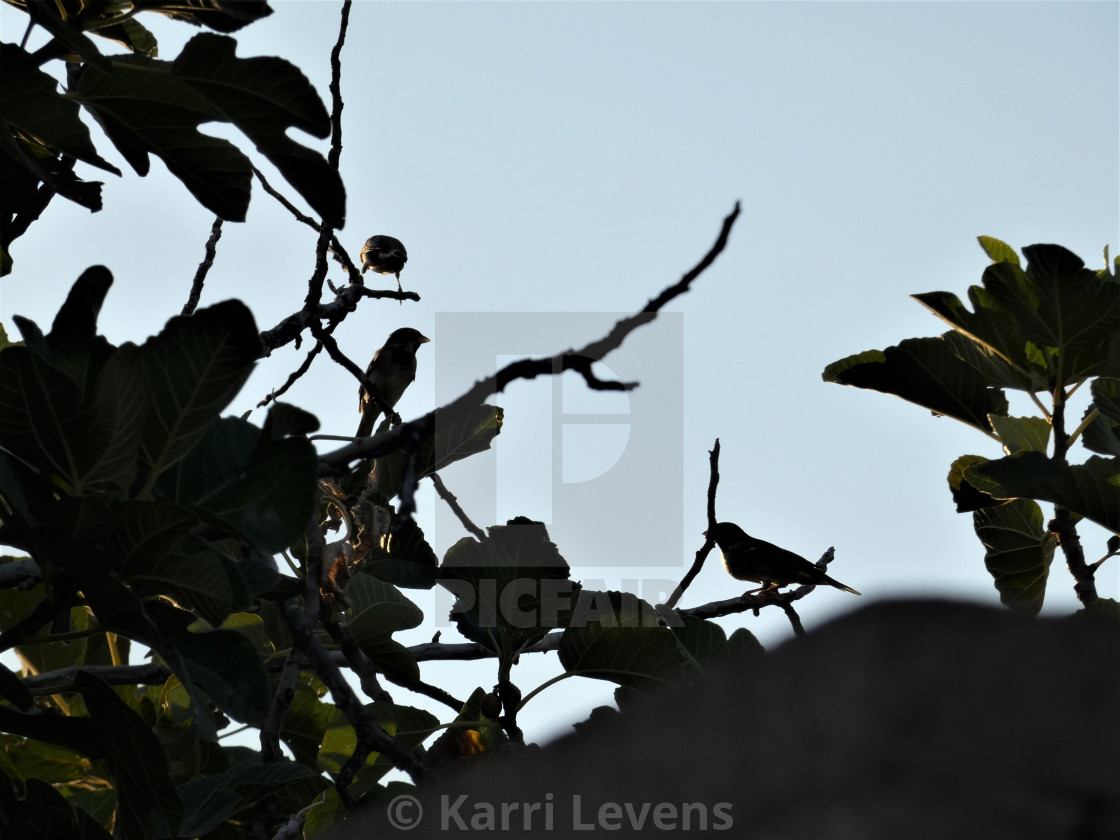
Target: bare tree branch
{"x":453,"y":503}
{"x":22,"y":573}
{"x":709,"y":543}
{"x":328,"y":342}
{"x":62,"y":680}
{"x":290,"y":328}
{"x":204,"y":267}
{"x":578,"y":360}
{"x":294,"y":376}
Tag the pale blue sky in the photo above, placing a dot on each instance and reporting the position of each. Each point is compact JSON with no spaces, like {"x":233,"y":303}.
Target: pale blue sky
{"x":576,"y":158}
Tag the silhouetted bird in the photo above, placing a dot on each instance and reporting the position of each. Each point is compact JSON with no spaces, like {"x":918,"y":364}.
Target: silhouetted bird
{"x":747,"y":558}
{"x":385,"y":255}
{"x":392,"y":370}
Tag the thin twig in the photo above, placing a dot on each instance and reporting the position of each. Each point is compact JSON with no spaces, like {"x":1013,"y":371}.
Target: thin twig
{"x":331,"y":347}
{"x":370,"y":735}
{"x":204,"y":267}
{"x":432,"y":691}
{"x":281,"y":702}
{"x":358,"y":662}
{"x":466,"y":651}
{"x":292,"y":326}
{"x":305,"y":365}
{"x":336,"y":249}
{"x":335,"y":153}
{"x":709,"y":543}
{"x":453,"y":503}
{"x":62,"y":679}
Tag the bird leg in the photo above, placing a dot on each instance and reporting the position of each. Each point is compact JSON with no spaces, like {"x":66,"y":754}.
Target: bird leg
{"x":768,"y":587}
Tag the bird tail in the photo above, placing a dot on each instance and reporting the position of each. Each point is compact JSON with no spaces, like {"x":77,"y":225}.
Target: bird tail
{"x":839,"y":585}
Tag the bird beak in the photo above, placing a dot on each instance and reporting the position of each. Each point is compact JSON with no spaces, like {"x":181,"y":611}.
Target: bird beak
{"x":704,"y":534}
{"x":424,"y":340}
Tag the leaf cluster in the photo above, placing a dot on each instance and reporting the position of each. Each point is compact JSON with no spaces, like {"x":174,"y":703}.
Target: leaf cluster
{"x":1045,"y":329}
{"x":148,"y":106}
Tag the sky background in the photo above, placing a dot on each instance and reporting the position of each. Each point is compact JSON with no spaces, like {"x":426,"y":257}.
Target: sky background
{"x":551,"y":166}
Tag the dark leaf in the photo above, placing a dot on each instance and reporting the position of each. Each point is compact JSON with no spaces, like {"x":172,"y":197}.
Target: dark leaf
{"x":32,"y":106}
{"x":262,"y":488}
{"x":455,"y":437}
{"x":137,"y":759}
{"x":967,"y":497}
{"x":615,"y":636}
{"x":1091,"y":489}
{"x":1018,"y":552}
{"x":510,"y":589}
{"x":997,"y":250}
{"x":148,"y":106}
{"x":926,"y":371}
{"x":192,"y":370}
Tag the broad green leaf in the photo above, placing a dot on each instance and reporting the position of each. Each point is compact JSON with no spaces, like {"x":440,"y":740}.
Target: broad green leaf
{"x":455,"y":437}
{"x":993,"y":368}
{"x":406,"y":560}
{"x":967,"y":497}
{"x":306,"y":722}
{"x":225,"y":665}
{"x":997,"y":250}
{"x":266,"y":98}
{"x":73,"y":345}
{"x":137,"y":759}
{"x":1091,"y":489}
{"x":1021,"y":434}
{"x":132,"y":34}
{"x":409,"y":725}
{"x":1018,"y":552}
{"x":392,"y":659}
{"x":926,"y":371}
{"x":378,"y":609}
{"x":252,"y":627}
{"x":1063,"y":308}
{"x":44,"y":421}
{"x":70,"y":408}
{"x":40,"y":813}
{"x":91,"y":537}
{"x":1106,"y":396}
{"x":219,"y":15}
{"x":1102,"y":435}
{"x":148,"y":106}
{"x":48,"y":15}
{"x":24,"y":759}
{"x":207,"y":803}
{"x":510,"y":589}
{"x":263,"y":489}
{"x":197,"y":581}
{"x":29,"y":165}
{"x":192,"y":370}
{"x":704,"y":642}
{"x":992,"y":327}
{"x":40,"y":658}
{"x":615,"y":636}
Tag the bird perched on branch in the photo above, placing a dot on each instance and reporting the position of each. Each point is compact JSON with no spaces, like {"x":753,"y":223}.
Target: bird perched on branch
{"x":392,"y":370}
{"x":385,"y":255}
{"x":747,"y":558}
